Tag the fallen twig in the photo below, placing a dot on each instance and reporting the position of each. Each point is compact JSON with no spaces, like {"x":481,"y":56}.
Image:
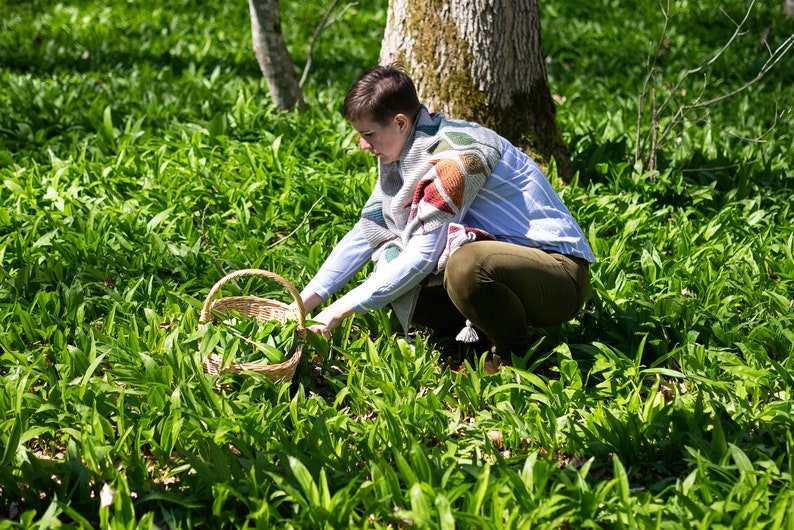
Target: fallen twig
{"x":208,"y":243}
{"x":303,"y":222}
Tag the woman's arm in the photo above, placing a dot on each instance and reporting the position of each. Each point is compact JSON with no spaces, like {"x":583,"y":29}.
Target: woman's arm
{"x":346,"y":259}
{"x":388,"y":282}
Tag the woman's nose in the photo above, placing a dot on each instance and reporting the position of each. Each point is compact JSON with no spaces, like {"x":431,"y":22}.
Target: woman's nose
{"x":365,"y":145}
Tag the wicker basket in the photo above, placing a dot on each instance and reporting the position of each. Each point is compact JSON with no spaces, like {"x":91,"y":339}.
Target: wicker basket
{"x":263,"y":309}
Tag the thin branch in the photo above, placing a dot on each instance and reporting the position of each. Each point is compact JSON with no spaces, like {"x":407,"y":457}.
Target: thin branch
{"x":654,"y":132}
{"x":677,"y":87}
{"x":217,"y":262}
{"x":756,"y":140}
{"x":650,"y":78}
{"x":771,"y":62}
{"x":318,"y":31}
{"x":303,"y":222}
{"x":765,"y":39}
{"x":719,"y":168}
{"x":684,"y":110}
{"x":728,"y":44}
{"x":680,"y":115}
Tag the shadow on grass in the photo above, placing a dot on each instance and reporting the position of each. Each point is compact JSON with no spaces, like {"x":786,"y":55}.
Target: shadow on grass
{"x":122,"y":63}
{"x":660,"y":451}
{"x":611,"y":162}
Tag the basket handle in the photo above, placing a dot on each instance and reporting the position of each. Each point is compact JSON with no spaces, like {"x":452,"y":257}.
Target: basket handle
{"x":206,"y":311}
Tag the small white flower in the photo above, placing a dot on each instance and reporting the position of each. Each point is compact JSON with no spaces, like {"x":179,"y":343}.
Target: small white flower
{"x":106,"y":496}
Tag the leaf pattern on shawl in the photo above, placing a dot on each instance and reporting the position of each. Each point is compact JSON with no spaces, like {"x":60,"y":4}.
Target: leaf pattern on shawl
{"x":373,"y":211}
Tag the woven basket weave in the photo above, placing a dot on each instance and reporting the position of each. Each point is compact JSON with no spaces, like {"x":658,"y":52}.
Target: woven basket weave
{"x":263,"y":309}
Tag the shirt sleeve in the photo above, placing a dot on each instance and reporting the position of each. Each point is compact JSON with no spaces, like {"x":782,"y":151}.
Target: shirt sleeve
{"x":346,"y":259}
{"x":392,"y":279}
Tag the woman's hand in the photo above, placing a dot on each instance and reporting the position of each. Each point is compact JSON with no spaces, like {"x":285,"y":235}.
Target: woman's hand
{"x":329,"y":318}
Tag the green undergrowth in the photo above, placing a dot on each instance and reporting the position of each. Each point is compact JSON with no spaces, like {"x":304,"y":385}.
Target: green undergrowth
{"x":142,"y":160}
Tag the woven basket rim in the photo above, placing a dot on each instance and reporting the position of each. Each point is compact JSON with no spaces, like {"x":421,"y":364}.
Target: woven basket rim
{"x":279,"y":371}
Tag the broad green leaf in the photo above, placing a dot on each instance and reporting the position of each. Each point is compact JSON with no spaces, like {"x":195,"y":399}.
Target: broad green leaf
{"x":304,"y":478}
{"x":155,"y":221}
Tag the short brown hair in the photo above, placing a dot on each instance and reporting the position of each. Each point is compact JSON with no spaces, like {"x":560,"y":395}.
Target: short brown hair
{"x":381,"y":93}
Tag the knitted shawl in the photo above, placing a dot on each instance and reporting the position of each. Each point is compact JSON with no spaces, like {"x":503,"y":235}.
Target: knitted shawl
{"x":444,"y":164}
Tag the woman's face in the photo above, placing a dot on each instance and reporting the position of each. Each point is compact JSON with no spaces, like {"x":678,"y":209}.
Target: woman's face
{"x":386,"y":141}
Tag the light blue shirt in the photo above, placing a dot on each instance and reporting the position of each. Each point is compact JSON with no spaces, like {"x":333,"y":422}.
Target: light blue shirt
{"x":517,"y":204}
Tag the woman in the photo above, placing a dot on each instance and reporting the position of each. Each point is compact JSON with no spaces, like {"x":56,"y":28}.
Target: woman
{"x":464,"y":228}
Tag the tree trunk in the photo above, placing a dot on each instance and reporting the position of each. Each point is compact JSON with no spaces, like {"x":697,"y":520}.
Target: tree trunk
{"x":271,"y":53}
{"x":480,"y":60}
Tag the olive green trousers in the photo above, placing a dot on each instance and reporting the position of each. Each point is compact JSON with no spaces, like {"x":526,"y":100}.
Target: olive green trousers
{"x":503,"y":289}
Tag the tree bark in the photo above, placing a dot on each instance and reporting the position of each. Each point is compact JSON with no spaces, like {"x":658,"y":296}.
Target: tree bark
{"x":480,"y":60}
{"x":272,"y":55}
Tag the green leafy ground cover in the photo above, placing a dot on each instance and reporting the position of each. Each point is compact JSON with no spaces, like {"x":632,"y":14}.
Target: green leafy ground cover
{"x":141,"y":158}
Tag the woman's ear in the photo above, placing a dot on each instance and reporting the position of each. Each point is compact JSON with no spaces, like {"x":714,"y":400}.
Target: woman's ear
{"x":403,"y":123}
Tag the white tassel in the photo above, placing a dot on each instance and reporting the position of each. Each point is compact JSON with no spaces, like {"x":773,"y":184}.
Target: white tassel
{"x":467,"y":334}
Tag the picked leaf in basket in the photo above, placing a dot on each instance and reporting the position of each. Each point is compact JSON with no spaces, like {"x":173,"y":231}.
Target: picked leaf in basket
{"x":248,"y":341}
